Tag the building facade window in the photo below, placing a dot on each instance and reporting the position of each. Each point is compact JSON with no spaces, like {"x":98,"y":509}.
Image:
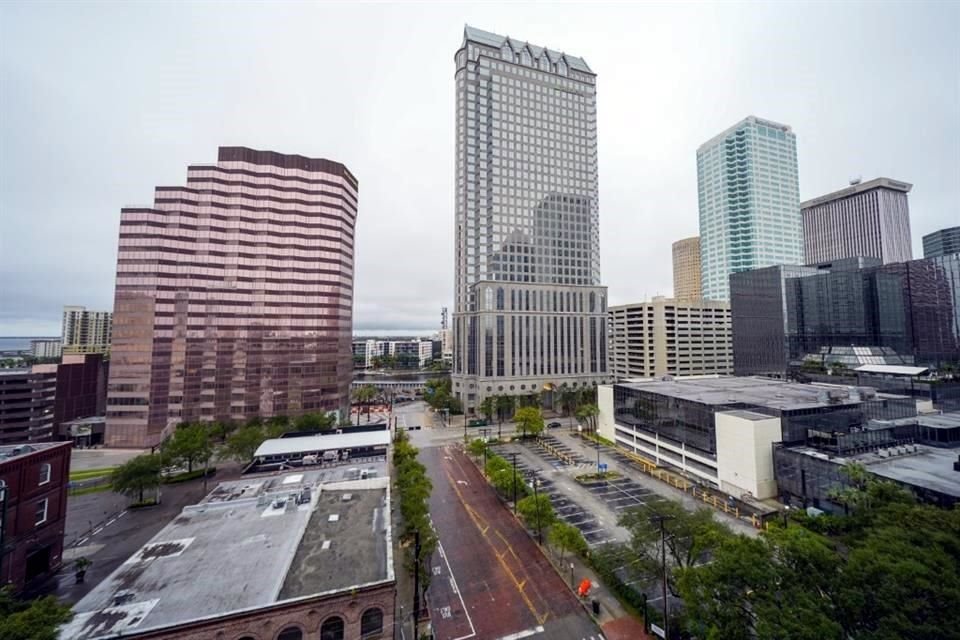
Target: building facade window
{"x":40,"y":515}
{"x":290,"y":633}
{"x":332,"y":629}
{"x":371,"y":624}
{"x":44,"y":473}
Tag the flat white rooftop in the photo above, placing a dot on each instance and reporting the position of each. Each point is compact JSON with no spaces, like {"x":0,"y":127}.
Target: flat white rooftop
{"x":320,"y":443}
{"x":252,"y":543}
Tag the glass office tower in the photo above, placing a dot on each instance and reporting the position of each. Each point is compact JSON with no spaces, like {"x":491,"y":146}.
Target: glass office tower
{"x":749,"y":202}
{"x":234,"y":296}
{"x":783,"y":314}
{"x":530,"y":314}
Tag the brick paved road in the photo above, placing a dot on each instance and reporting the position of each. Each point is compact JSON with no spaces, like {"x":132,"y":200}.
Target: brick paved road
{"x":490,"y":579}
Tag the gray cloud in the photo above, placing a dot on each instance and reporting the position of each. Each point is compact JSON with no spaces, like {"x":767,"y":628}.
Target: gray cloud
{"x":99,"y":103}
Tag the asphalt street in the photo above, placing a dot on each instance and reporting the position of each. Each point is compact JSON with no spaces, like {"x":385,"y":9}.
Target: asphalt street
{"x":490,"y":580}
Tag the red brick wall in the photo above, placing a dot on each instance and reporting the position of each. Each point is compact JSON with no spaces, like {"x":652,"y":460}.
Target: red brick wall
{"x":22,"y":535}
{"x":309,"y":615}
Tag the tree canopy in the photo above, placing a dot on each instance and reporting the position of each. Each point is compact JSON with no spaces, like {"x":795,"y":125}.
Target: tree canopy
{"x":889,"y":571}
{"x":189,"y":444}
{"x":536,"y":511}
{"x":31,"y":620}
{"x":137,"y":475}
{"x":567,"y":538}
{"x":529,"y":420}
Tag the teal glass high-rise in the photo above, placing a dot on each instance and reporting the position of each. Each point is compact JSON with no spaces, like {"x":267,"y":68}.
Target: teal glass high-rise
{"x":749,"y":202}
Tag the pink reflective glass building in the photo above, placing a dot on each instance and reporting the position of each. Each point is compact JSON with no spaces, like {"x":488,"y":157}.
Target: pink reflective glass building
{"x":234,"y":296}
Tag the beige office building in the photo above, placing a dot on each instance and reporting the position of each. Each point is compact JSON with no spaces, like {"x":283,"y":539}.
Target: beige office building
{"x":670,"y":337}
{"x":686,"y":269}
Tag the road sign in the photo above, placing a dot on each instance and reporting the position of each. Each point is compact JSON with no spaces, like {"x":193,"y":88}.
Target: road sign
{"x":603,"y":467}
{"x":657,"y":631}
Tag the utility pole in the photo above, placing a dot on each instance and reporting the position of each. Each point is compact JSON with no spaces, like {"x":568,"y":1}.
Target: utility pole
{"x":663,"y":558}
{"x":416,"y":583}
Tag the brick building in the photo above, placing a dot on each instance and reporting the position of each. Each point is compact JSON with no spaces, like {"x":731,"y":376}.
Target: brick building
{"x":33,"y":510}
{"x":263,"y":558}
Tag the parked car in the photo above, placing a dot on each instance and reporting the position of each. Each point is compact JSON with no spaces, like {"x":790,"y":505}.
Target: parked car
{"x":554,"y":425}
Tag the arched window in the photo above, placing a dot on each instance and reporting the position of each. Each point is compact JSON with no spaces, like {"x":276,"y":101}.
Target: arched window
{"x":247,"y":638}
{"x":544,"y":63}
{"x":562,"y":67}
{"x":525,"y":57}
{"x":506,"y":52}
{"x":332,"y":629}
{"x":371,"y":624}
{"x":291,"y":633}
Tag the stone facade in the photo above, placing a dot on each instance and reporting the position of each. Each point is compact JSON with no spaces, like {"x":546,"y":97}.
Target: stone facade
{"x":307,"y":614}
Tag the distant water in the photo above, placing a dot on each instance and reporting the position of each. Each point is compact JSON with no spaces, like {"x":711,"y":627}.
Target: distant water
{"x":20,"y":343}
{"x":382,"y":333}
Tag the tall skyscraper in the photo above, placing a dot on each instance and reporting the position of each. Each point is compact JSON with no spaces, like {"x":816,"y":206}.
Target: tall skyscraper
{"x":234,"y":296}
{"x":686,"y":269}
{"x":85,"y":331}
{"x":529,"y":312}
{"x":749,"y":202}
{"x":869,"y":219}
{"x":942,"y":242}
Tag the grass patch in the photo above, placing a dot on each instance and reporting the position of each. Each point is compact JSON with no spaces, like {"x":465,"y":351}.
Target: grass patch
{"x":596,"y":437}
{"x":188,"y":475}
{"x":595,"y":477}
{"x":86,"y":474}
{"x":85,"y":490}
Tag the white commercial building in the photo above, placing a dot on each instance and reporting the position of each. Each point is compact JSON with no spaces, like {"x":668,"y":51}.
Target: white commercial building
{"x":720,"y":430}
{"x":865,"y":219}
{"x":85,"y":331}
{"x":46,"y":348}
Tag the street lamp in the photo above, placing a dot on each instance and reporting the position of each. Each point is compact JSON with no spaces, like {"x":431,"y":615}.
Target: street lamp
{"x":536,"y":502}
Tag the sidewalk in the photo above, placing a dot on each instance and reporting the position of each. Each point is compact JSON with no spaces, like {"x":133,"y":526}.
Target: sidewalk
{"x":615,"y":621}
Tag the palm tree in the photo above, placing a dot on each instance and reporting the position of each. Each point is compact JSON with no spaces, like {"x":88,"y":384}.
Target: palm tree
{"x":505,"y":406}
{"x":364,"y":395}
{"x":588,"y":414}
{"x":486,"y":408}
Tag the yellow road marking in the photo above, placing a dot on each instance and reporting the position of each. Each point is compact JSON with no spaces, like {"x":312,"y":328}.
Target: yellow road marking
{"x":476,"y":518}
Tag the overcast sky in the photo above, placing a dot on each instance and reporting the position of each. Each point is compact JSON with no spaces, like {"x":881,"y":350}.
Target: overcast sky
{"x":101,"y":102}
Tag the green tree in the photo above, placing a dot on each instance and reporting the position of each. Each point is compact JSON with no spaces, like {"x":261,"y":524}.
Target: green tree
{"x":31,"y":620}
{"x":243,"y":443}
{"x":486,"y":408}
{"x":276,"y":426}
{"x":569,"y":399}
{"x":315,"y":422}
{"x":505,"y":407}
{"x":691,"y":536}
{"x":476,"y":447}
{"x":189,"y":444}
{"x":536,"y":511}
{"x":220,"y":429}
{"x":137,"y":475}
{"x":528,"y":420}
{"x":587,"y":415}
{"x":567,"y":538}
{"x":497,"y":463}
{"x":504,"y":481}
